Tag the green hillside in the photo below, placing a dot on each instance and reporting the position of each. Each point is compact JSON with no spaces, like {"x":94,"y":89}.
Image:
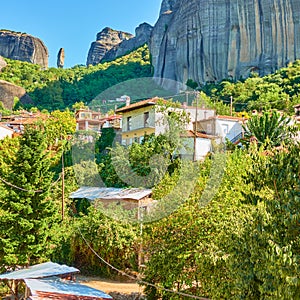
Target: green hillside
{"x":60,"y":88}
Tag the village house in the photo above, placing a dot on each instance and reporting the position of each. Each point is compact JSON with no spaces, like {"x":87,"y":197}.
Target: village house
{"x":127,"y":198}
{"x":197,"y":145}
{"x":87,"y":119}
{"x":17,"y":122}
{"x":226,"y":127}
{"x":141,"y":118}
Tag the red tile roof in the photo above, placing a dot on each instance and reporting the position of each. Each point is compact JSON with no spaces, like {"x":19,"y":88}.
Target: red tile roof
{"x":191,"y":134}
{"x":139,"y":104}
{"x":230,"y":118}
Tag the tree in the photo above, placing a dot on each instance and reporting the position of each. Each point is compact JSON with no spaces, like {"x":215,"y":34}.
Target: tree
{"x":59,"y":127}
{"x":28,"y":213}
{"x":265,"y":253}
{"x":269,"y":129}
{"x":188,"y":250}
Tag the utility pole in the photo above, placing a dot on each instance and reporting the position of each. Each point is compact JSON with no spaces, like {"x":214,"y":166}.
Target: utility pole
{"x":140,"y":252}
{"x":62,"y":187}
{"x":187,"y":98}
{"x":196,"y":127}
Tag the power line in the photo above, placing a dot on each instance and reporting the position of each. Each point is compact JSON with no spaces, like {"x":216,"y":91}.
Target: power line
{"x":136,"y":279}
{"x":19,"y":188}
{"x":25,"y":190}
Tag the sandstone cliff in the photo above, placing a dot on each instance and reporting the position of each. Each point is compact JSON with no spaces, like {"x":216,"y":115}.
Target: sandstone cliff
{"x":142,"y":36}
{"x":106,"y":40}
{"x":9,"y":91}
{"x":3,"y":63}
{"x":61,"y":58}
{"x":24,"y":47}
{"x":209,"y":40}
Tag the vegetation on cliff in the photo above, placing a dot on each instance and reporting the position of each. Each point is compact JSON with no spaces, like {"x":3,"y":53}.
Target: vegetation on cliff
{"x":57,"y":88}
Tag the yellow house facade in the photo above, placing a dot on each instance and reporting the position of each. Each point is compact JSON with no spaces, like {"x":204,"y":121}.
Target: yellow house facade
{"x":139,"y":119}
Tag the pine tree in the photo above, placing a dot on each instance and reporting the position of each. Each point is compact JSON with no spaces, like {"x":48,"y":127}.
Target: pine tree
{"x":27,"y":213}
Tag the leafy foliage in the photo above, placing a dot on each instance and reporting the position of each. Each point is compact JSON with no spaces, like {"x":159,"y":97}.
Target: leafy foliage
{"x":57,"y":88}
{"x":270,"y":129}
{"x":114,"y":241}
{"x":28,"y":215}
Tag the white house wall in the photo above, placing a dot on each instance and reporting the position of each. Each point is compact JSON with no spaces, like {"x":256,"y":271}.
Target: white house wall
{"x":228,"y":129}
{"x":160,"y":123}
{"x":203,"y":147}
{"x":5,"y":133}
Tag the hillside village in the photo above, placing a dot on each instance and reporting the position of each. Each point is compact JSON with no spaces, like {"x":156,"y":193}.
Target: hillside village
{"x":170,"y":160}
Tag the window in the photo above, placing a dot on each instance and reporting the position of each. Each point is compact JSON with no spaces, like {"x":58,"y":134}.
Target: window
{"x":146,"y":119}
{"x":225,"y":128}
{"x":128,"y":123}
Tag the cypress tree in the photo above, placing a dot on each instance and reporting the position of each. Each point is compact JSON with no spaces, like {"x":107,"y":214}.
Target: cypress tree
{"x":27,"y":213}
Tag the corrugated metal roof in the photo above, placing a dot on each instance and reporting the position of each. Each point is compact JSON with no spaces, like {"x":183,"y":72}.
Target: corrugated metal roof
{"x":47,"y":269}
{"x":41,"y":288}
{"x":93,"y":193}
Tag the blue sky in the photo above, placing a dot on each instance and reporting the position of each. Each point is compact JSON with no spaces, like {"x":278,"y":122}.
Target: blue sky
{"x":73,"y":25}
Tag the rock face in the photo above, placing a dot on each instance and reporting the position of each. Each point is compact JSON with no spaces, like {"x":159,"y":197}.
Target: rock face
{"x":24,"y":47}
{"x":142,"y":36}
{"x":9,"y":91}
{"x":209,"y":40}
{"x":3,"y":63}
{"x":106,"y":40}
{"x":61,"y":58}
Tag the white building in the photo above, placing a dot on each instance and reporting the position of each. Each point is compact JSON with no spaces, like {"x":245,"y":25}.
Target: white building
{"x":5,"y":132}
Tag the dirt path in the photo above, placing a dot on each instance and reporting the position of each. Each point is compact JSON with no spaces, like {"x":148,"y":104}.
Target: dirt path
{"x":107,"y":285}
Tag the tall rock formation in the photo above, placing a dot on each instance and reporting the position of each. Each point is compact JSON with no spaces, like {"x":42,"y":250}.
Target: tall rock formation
{"x":106,"y":40}
{"x":61,"y":58}
{"x":209,"y":40}
{"x":24,"y":47}
{"x":3,"y":63}
{"x":9,"y":91}
{"x":142,"y":36}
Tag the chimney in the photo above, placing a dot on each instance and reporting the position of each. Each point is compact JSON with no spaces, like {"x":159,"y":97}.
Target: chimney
{"x":127,"y":100}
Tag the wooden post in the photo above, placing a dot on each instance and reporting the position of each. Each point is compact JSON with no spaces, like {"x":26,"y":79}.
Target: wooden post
{"x":62,"y":187}
{"x":195,"y":131}
{"x":140,"y":251}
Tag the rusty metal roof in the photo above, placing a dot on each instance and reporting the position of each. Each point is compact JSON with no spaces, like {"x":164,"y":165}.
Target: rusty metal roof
{"x":43,"y":270}
{"x":55,"y":288}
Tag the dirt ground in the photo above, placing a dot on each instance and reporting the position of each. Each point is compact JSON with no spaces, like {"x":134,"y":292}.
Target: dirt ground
{"x":107,"y":285}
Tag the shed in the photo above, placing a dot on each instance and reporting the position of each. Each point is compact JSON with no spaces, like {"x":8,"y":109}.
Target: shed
{"x":129,"y":198}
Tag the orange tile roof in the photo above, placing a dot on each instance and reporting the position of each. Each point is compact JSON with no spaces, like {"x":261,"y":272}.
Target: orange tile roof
{"x":191,"y":134}
{"x":139,"y":104}
{"x":231,"y":118}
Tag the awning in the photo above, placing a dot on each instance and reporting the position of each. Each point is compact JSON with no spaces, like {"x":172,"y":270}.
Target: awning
{"x":43,"y":270}
{"x":55,"y":288}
